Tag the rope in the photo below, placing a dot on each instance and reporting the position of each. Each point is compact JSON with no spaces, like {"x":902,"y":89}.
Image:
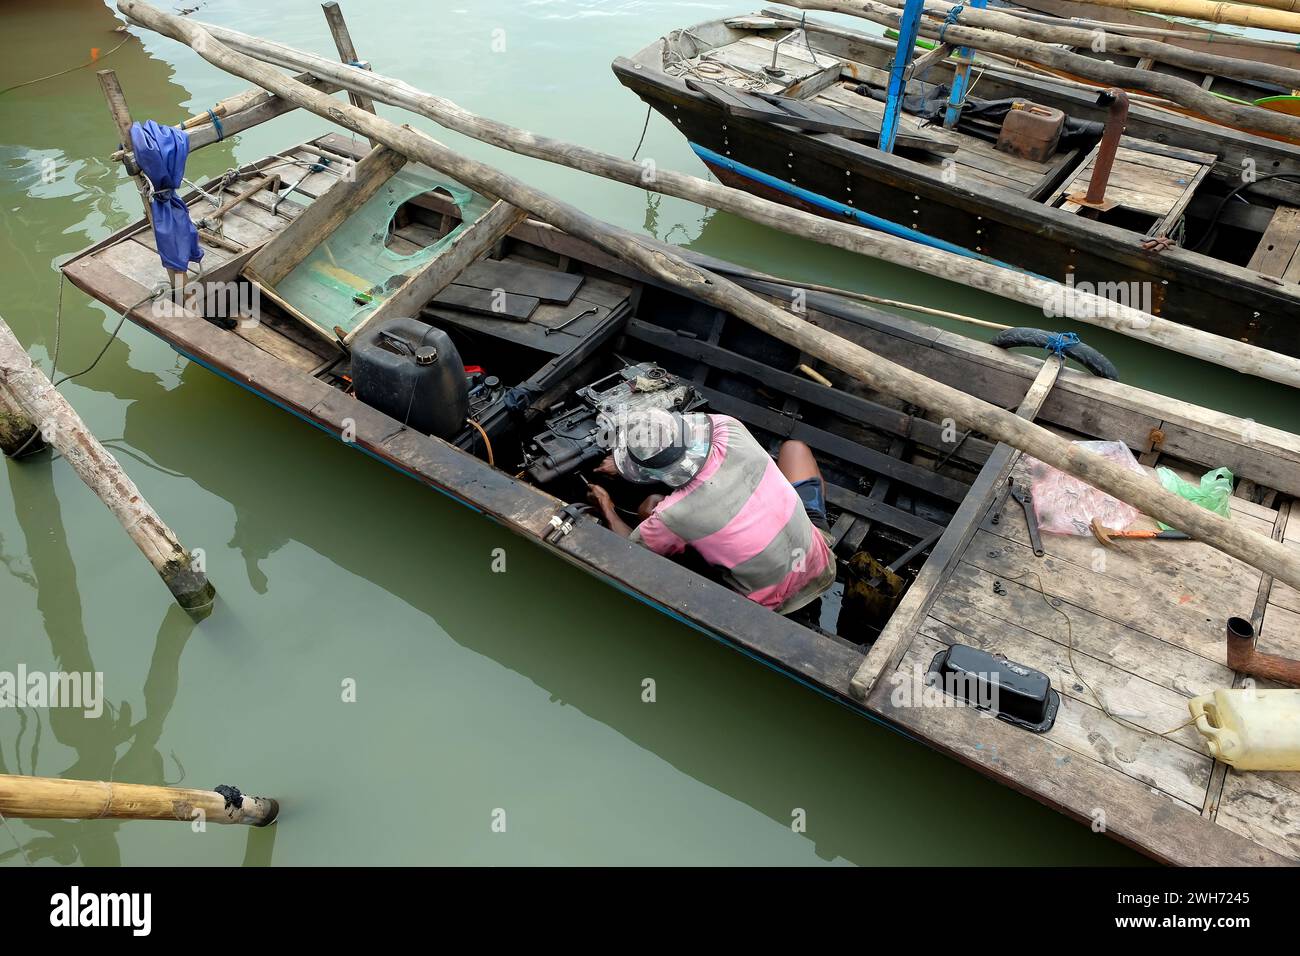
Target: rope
{"x":641,"y":141}
{"x":71,"y":69}
{"x":111,"y":338}
{"x":1058,"y":343}
{"x":216,"y":124}
{"x":1069,"y":650}
{"x":487,"y":442}
{"x":950,"y":19}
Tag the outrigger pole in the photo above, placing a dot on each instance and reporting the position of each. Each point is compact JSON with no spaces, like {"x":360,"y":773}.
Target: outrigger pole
{"x":875,"y":371}
{"x":976,"y":274}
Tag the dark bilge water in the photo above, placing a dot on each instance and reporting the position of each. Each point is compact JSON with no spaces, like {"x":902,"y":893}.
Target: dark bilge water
{"x":478,"y":694}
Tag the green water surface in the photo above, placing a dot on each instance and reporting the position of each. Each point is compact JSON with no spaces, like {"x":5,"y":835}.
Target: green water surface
{"x":476,"y":692}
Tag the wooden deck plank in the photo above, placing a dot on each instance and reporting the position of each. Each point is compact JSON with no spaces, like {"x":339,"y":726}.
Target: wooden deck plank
{"x":969,"y":591}
{"x":1088,"y":734}
{"x":1257,"y":806}
{"x":1168,"y":829}
{"x":1129,"y":603}
{"x":1085,"y":679}
{"x":1280,"y":632}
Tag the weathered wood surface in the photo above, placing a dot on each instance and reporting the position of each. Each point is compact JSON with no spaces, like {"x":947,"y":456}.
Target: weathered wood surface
{"x":51,"y":798}
{"x":43,"y":405}
{"x":974,"y":273}
{"x":1127,"y":635}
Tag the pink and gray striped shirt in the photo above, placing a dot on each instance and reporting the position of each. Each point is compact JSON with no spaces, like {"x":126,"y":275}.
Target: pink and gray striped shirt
{"x":742,"y":515}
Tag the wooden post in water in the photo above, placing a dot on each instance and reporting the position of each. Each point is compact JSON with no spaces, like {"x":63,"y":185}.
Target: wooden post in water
{"x":19,"y":436}
{"x":122,"y":119}
{"x":864,"y":365}
{"x":27,"y":393}
{"x":50,"y":798}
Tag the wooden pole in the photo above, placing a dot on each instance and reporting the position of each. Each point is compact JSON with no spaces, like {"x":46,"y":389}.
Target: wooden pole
{"x":1214,"y":11}
{"x":25,"y":387}
{"x":974,"y":273}
{"x":1070,"y":34}
{"x":1181,"y":91}
{"x":19,"y":436}
{"x":49,"y":798}
{"x":347,"y":53}
{"x":908,"y":27}
{"x":122,"y":118}
{"x":875,"y":371}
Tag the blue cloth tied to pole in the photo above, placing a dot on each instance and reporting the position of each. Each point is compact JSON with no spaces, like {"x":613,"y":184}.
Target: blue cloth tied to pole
{"x":161,"y":152}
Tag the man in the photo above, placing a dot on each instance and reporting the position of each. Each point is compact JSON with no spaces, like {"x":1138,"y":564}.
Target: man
{"x":757,"y":520}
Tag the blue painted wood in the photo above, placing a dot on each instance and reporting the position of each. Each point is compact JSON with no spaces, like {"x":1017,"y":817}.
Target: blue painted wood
{"x":960,"y":78}
{"x":908,"y":29}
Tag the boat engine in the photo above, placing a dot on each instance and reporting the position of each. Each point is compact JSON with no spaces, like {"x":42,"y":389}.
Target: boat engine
{"x":570,"y":440}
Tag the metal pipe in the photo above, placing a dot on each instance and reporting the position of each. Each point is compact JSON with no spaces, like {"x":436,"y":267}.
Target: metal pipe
{"x":1245,"y":659}
{"x":1116,"y":119}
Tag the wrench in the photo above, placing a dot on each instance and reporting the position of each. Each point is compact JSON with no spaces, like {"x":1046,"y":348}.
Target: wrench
{"x":1026,"y":500}
{"x":568,"y":322}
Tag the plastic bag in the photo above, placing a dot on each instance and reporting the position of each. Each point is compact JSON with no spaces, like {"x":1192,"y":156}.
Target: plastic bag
{"x":1213,"y":492}
{"x":1066,"y":505}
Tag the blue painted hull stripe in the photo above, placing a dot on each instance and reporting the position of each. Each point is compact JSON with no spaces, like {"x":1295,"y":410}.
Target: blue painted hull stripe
{"x":840,"y":209}
{"x":649,"y":602}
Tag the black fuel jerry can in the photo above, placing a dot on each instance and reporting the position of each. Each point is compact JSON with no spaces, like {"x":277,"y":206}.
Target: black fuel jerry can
{"x":413,"y":372}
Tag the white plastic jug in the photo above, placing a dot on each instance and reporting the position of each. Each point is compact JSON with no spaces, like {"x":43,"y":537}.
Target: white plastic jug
{"x":1251,"y":729}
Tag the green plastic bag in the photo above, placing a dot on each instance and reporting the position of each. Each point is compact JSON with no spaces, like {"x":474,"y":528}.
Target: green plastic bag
{"x":1213,"y":492}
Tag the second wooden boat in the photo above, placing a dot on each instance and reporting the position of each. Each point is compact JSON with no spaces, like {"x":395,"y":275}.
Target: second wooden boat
{"x":794,"y":115}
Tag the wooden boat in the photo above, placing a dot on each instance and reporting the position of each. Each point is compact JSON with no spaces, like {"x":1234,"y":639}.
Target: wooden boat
{"x":1146,"y":623}
{"x":806,"y":138}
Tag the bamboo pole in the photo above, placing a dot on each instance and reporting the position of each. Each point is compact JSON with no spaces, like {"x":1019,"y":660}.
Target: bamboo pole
{"x":25,"y":387}
{"x":1181,"y":91}
{"x":1213,"y":11}
{"x":1116,"y":43}
{"x":875,"y":371}
{"x":1178,"y":31}
{"x":974,"y":273}
{"x":50,"y":798}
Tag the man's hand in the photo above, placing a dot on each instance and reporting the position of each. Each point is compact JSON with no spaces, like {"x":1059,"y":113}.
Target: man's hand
{"x":599,"y":497}
{"x":607,"y":467}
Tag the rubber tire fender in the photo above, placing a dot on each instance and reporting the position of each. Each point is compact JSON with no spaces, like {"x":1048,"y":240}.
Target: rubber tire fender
{"x":1085,"y":355}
